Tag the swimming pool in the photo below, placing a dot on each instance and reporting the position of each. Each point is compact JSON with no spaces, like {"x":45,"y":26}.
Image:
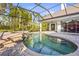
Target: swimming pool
{"x":49,"y":45}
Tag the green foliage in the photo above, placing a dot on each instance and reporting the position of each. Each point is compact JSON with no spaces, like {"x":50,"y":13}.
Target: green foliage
{"x":20,"y":19}
{"x":44,"y":26}
{"x":33,"y":27}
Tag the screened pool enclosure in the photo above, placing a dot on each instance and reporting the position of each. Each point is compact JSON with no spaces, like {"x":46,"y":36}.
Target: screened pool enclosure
{"x":28,"y":16}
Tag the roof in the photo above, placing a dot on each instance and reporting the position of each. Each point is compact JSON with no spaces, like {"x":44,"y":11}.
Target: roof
{"x":71,"y":10}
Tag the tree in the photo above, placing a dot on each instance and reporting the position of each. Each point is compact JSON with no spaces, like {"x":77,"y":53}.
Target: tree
{"x":20,"y":17}
{"x":44,"y":26}
{"x":3,"y":8}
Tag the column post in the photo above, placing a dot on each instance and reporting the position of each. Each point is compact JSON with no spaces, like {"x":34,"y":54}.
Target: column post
{"x":49,"y":26}
{"x":58,"y":26}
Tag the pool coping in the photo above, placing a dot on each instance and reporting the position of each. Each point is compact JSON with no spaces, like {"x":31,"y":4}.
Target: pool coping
{"x":71,"y":38}
{"x":24,"y":51}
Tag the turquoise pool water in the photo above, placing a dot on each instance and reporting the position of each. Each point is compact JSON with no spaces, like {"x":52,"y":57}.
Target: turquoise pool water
{"x":49,"y":45}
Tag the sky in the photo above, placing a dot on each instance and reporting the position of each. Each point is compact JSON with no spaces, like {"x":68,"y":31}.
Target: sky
{"x":54,"y":7}
{"x":39,"y":9}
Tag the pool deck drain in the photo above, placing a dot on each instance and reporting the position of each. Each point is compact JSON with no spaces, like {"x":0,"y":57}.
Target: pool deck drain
{"x":19,"y":49}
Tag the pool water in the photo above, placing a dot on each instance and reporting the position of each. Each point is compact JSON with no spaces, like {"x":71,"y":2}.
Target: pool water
{"x":49,"y":45}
